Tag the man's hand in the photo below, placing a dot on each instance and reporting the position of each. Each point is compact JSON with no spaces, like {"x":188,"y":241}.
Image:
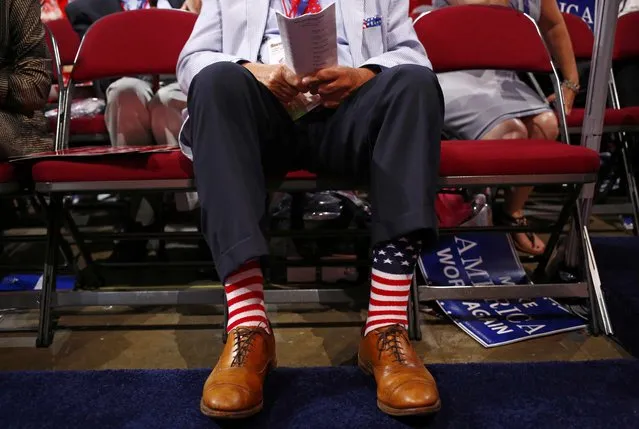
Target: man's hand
{"x":335,"y":84}
{"x":193,"y":6}
{"x":281,"y":80}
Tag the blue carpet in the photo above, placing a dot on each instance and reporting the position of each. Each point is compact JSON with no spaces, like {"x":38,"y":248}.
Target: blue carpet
{"x":475,"y":396}
{"x":618,"y":263}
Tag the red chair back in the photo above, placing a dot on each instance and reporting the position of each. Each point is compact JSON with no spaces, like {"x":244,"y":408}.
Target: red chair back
{"x":627,"y":37}
{"x":133,"y":43}
{"x":67,"y":39}
{"x":482,"y":37}
{"x":580,"y":35}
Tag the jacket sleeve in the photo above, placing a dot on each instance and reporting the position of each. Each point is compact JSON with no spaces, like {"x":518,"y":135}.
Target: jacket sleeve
{"x":403,"y":45}
{"x":26,"y":81}
{"x":204,"y":47}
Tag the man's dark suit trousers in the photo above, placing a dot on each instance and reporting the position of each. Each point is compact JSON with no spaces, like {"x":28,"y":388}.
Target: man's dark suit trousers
{"x":385,"y":135}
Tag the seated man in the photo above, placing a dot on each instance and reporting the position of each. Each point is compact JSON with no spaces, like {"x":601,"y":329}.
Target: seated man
{"x":379,"y":122}
{"x":134,"y":115}
{"x":25,"y":80}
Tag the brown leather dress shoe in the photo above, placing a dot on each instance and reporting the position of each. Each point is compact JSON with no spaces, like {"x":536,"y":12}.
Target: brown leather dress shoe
{"x":404,"y":385}
{"x":234,"y":388}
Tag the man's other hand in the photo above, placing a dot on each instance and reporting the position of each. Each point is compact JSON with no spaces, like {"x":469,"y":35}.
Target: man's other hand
{"x":281,"y":80}
{"x":334,"y":84}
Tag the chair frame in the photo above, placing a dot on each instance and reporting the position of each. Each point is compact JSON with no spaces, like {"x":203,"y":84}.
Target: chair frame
{"x":51,"y":299}
{"x":620,"y":130}
{"x":31,"y":299}
{"x":590,"y":286}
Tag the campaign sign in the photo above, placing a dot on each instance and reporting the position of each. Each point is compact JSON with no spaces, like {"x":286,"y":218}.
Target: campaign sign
{"x":26,"y":282}
{"x":489,"y":259}
{"x":585,"y":9}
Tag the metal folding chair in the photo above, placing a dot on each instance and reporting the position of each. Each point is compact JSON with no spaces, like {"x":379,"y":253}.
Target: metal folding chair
{"x":471,"y":38}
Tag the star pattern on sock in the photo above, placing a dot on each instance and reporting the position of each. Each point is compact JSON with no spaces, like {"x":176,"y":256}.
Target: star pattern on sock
{"x":397,"y":256}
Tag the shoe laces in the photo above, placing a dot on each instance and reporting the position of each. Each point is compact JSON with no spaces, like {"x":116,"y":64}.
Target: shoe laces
{"x":389,"y":340}
{"x":243,"y":341}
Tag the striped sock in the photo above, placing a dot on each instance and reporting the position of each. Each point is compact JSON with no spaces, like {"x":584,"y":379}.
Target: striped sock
{"x":391,"y":277}
{"x":244,"y":291}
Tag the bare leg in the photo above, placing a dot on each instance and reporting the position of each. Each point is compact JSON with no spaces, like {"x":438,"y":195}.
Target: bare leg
{"x":516,"y":198}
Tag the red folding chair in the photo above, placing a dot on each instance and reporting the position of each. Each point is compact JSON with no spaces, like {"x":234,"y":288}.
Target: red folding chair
{"x":81,"y":129}
{"x":626,"y":48}
{"x":8,"y":179}
{"x":471,"y":38}
{"x":417,"y":7}
{"x":616,"y":119}
{"x":122,"y":44}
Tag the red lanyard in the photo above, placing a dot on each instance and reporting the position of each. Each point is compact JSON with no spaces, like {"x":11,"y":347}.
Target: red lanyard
{"x":311,"y":6}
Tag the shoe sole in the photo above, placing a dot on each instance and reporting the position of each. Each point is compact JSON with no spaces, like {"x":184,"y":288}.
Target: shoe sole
{"x":400,"y":412}
{"x":230,"y":415}
{"x":233,"y":415}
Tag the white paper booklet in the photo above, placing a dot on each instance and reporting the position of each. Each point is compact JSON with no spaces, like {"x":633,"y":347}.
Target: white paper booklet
{"x":310,"y":44}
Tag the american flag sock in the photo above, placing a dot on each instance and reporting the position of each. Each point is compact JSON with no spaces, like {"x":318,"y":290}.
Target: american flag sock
{"x":391,"y":277}
{"x":244,"y":291}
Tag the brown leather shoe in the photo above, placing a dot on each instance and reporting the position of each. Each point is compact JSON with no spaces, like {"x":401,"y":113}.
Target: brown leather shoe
{"x":404,"y":385}
{"x":234,"y":388}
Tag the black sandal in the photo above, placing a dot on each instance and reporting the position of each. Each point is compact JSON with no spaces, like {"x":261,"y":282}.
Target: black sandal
{"x":501,"y":218}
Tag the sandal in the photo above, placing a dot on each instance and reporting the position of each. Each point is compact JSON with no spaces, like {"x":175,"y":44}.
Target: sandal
{"x":501,"y":218}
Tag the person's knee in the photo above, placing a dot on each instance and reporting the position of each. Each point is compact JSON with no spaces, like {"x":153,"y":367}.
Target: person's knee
{"x":514,"y":129}
{"x":129,"y":90}
{"x":413,"y":77}
{"x":170,"y":97}
{"x":548,"y":125}
{"x":219,"y":78}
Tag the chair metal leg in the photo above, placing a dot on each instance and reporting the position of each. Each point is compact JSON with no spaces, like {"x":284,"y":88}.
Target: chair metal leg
{"x":89,"y":276}
{"x":414,"y":321}
{"x":600,"y":320}
{"x":564,"y":217}
{"x":40,"y":206}
{"x":45,"y":324}
{"x":632,"y":185}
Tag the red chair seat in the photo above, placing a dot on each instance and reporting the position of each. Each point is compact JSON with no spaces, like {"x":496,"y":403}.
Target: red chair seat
{"x":515,"y":157}
{"x":458,"y":158}
{"x":156,"y":166}
{"x":612,"y":117}
{"x":84,"y":125}
{"x":7,"y":173}
{"x":301,"y":175}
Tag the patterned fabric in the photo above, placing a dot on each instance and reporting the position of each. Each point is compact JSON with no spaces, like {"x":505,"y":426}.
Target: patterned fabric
{"x":25,"y":79}
{"x":244,"y":291}
{"x":374,"y":21}
{"x":313,"y":6}
{"x":391,"y":278}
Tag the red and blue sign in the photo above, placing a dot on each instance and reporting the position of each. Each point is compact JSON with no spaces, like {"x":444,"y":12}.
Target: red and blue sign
{"x":476,"y":259}
{"x":585,"y":9}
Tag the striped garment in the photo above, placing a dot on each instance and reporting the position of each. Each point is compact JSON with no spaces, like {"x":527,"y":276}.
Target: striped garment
{"x":25,"y":79}
{"x":391,"y":277}
{"x":245,"y":297}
